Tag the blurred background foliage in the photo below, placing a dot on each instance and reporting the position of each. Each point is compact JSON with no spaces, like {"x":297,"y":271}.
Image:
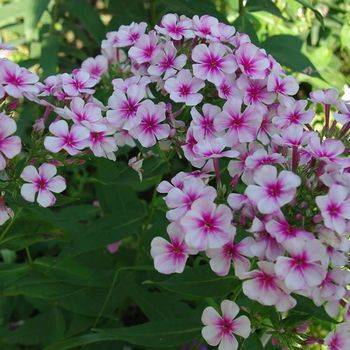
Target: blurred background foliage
{"x":57,"y":279}
{"x":310,"y":37}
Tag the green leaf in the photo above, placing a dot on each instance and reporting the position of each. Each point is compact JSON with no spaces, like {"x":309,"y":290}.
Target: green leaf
{"x":49,"y":53}
{"x":244,"y":24}
{"x":42,"y":329}
{"x":345,"y":36}
{"x":89,"y":17}
{"x":306,"y":306}
{"x":252,"y":343}
{"x":199,"y":282}
{"x":286,"y":49}
{"x":263,"y":5}
{"x":34,"y":9}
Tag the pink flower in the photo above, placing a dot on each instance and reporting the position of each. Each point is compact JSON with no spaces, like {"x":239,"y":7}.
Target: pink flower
{"x":292,"y":136}
{"x":5,"y":212}
{"x":213,"y":148}
{"x":227,"y":87}
{"x":96,"y":67}
{"x":114,"y":247}
{"x":124,"y":138}
{"x":175,"y":27}
{"x":203,"y":26}
{"x":240,"y":126}
{"x":166,"y":62}
{"x":181,"y":200}
{"x":17,"y":81}
{"x":236,"y":253}
{"x":170,"y":257}
{"x":260,"y":157}
{"x":335,"y":208}
{"x":329,"y":150}
{"x":343,"y":117}
{"x":103,"y":144}
{"x":145,"y":49}
{"x":265,"y":287}
{"x":272,"y":192}
{"x":338,"y":339}
{"x":42,"y":181}
{"x":282,"y":231}
{"x":71,"y":140}
{"x":212,"y":62}
{"x":221,"y":329}
{"x":252,"y":61}
{"x":184,"y":88}
{"x":282,"y":85}
{"x":302,"y":270}
{"x":203,"y":124}
{"x":128,"y":35}
{"x":88,"y":115}
{"x":254,"y":91}
{"x":207,"y":225}
{"x":124,"y":106}
{"x":150,"y":127}
{"x":326,"y":96}
{"x":77,"y":83}
{"x":264,"y":246}
{"x":292,"y":112}
{"x":223,"y":32}
{"x":10,"y":146}
{"x":176,"y":182}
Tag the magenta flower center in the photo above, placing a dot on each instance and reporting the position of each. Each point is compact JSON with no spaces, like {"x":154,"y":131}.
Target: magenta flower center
{"x":274,"y":190}
{"x":184,"y":90}
{"x":226,"y":325}
{"x":41,"y":183}
{"x":334,"y":209}
{"x":14,"y":79}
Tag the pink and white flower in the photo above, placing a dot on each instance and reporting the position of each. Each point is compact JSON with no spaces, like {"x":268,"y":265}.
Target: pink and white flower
{"x":167,"y":62}
{"x":124,"y":106}
{"x":254,"y":91}
{"x":203,"y":26}
{"x":150,"y":127}
{"x":264,"y":286}
{"x":335,"y":208}
{"x":212,"y":62}
{"x":213,"y":148}
{"x":5,"y":212}
{"x":176,"y":27}
{"x":282,"y":231}
{"x":292,"y":112}
{"x":170,"y":257}
{"x":236,"y":253}
{"x":128,"y":35}
{"x":302,"y":269}
{"x":10,"y":146}
{"x":96,"y":67}
{"x":77,"y":83}
{"x":145,"y":49}
{"x":184,"y":88}
{"x":252,"y":61}
{"x":203,"y":125}
{"x":207,"y":225}
{"x":42,"y":182}
{"x":282,"y":85}
{"x":103,"y":144}
{"x":181,"y":200}
{"x":17,"y":81}
{"x":221,"y":330}
{"x":87,"y":114}
{"x":227,"y":87}
{"x":338,"y":339}
{"x":71,"y":140}
{"x":272,"y":191}
{"x":240,"y":126}
{"x":326,"y":96}
{"x":343,"y":116}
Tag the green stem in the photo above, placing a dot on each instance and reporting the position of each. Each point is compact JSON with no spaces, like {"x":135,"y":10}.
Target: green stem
{"x":240,"y":7}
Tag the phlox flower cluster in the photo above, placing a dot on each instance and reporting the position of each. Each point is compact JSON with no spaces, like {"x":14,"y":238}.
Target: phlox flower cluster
{"x":280,"y":224}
